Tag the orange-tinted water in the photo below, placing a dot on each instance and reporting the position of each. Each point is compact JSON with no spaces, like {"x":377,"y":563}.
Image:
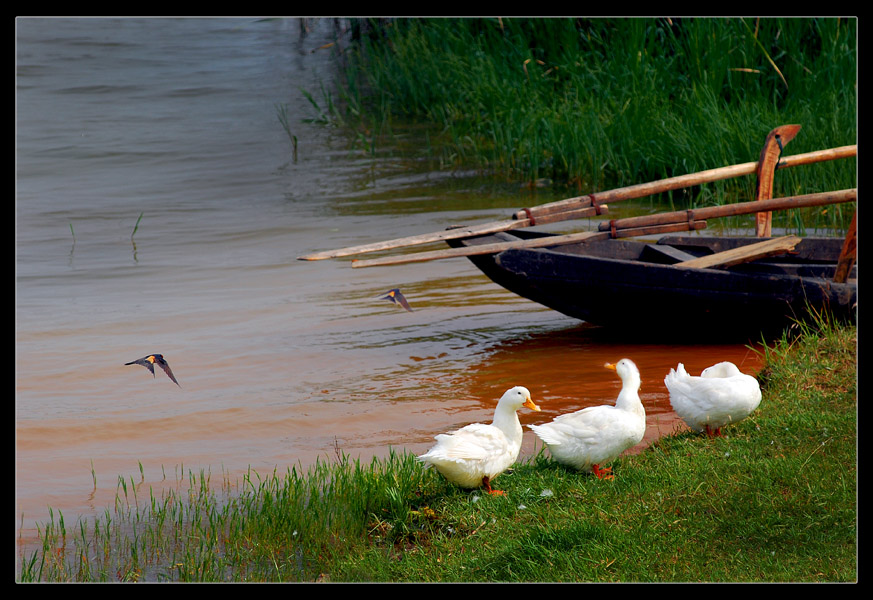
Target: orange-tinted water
{"x":280,"y":361}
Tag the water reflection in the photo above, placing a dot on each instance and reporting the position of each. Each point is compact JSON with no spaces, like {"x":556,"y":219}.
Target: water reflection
{"x":281,"y":361}
{"x":564,"y":371}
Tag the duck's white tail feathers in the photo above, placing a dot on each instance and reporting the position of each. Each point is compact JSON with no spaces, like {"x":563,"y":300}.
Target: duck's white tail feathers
{"x":675,"y":375}
{"x":546,"y":434}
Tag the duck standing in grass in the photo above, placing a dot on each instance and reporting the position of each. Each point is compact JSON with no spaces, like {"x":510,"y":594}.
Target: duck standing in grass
{"x":721,"y":395}
{"x":474,"y":455}
{"x":596,"y":435}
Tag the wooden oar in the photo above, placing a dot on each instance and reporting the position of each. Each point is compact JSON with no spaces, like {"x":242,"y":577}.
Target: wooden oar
{"x":849,"y":252}
{"x":455,"y":233}
{"x":584,"y":206}
{"x":682,"y":220}
{"x":552,"y":240}
{"x":774,"y":145}
{"x":641,"y":190}
{"x":730,"y":210}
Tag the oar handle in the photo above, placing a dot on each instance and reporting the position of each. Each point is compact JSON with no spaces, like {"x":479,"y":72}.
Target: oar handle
{"x":730,"y":210}
{"x":682,"y":220}
{"x":585,"y":206}
{"x":548,"y":241}
{"x":641,"y":190}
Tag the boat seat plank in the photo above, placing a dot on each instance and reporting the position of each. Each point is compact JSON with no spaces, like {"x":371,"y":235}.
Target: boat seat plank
{"x":743,"y":254}
{"x":675,"y":255}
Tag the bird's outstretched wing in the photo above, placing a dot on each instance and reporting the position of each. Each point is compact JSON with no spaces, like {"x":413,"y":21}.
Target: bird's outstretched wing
{"x":149,"y":363}
{"x":166,"y":367}
{"x":398,"y":298}
{"x":145,"y":362}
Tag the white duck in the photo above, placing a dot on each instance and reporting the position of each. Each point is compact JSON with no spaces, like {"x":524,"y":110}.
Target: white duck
{"x":596,"y":435}
{"x":721,"y":395}
{"x":476,"y":454}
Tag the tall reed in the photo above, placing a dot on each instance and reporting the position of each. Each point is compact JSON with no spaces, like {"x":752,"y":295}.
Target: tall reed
{"x":597,"y":103}
{"x":275,"y":527}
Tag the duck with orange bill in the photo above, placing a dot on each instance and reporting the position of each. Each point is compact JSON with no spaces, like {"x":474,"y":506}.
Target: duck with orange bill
{"x":589,"y":438}
{"x":474,"y":455}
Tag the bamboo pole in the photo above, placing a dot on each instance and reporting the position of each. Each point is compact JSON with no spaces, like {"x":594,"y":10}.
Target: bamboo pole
{"x":455,"y":233}
{"x":548,"y":241}
{"x":583,"y":206}
{"x":682,"y":220}
{"x":641,"y":190}
{"x":730,"y":210}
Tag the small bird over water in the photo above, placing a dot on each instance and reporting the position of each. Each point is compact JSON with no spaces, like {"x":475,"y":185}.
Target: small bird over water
{"x":149,"y":363}
{"x":397,"y":298}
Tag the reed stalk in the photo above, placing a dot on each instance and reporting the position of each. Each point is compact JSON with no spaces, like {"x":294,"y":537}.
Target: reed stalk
{"x":594,"y":104}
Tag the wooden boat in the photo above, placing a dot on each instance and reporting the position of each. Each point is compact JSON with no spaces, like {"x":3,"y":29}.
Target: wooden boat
{"x":679,"y":284}
{"x":655,"y":287}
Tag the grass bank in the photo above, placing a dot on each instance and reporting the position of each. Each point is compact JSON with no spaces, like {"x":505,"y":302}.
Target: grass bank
{"x":774,"y":500}
{"x":593,"y":104}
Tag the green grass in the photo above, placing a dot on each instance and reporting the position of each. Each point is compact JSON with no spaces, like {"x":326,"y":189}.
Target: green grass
{"x":593,"y":104}
{"x":775,"y":500}
{"x":282,"y":115}
{"x":136,"y":226}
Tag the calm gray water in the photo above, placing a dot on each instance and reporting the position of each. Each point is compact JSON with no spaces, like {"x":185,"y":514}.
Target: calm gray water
{"x":280,"y":361}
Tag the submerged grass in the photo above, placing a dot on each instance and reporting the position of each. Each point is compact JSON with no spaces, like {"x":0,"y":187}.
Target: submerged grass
{"x":599,"y":103}
{"x":773,"y":500}
{"x":136,"y":226}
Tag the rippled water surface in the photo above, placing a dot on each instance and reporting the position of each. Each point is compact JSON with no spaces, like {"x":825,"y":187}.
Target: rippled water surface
{"x":170,"y":127}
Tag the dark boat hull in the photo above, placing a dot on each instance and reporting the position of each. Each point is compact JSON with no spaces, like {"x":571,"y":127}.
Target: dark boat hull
{"x":632,"y":285}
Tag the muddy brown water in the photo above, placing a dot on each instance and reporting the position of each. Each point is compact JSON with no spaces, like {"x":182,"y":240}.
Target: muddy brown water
{"x":280,"y":361}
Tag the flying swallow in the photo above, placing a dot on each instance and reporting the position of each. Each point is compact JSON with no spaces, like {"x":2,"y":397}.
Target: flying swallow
{"x":397,"y":298}
{"x":149,"y":363}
